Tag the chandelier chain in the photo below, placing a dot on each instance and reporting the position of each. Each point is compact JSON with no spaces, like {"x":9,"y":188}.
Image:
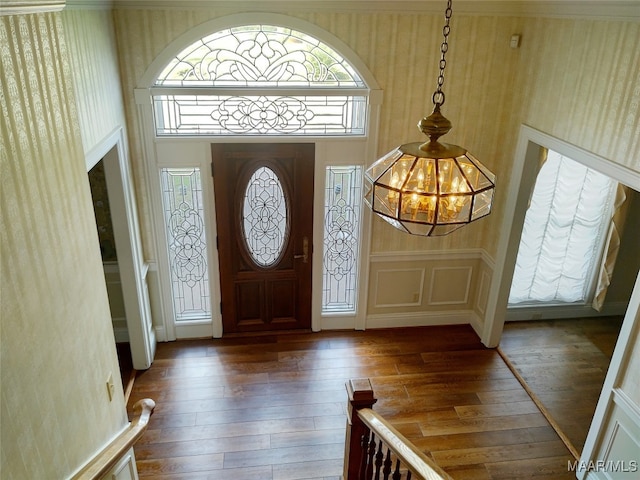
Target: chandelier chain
{"x":438,"y":95}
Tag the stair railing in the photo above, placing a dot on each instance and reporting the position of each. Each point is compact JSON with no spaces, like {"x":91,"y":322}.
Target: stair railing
{"x":374,"y":449}
{"x":107,"y":458}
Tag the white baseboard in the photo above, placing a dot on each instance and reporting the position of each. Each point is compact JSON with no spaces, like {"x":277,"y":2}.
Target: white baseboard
{"x":516,"y":314}
{"x":161,"y":334}
{"x":423,"y":319}
{"x":121,"y":334}
{"x":337,"y":323}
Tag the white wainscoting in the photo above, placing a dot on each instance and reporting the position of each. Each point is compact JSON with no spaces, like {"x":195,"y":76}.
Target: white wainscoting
{"x":483,"y":292}
{"x":399,"y":287}
{"x":450,"y":285}
{"x":428,"y":288}
{"x":125,"y":469}
{"x":618,"y":456}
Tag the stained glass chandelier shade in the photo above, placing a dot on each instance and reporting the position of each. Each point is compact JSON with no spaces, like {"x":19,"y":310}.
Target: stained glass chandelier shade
{"x":431,"y":188}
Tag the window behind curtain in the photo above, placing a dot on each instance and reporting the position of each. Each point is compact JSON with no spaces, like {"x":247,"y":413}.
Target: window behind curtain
{"x":563,"y":234}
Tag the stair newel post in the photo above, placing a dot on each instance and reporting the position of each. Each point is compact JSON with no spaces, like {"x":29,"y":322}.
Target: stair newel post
{"x":361,"y":396}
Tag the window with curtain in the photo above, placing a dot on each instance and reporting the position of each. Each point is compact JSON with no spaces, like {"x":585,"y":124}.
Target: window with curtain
{"x":563,"y":235}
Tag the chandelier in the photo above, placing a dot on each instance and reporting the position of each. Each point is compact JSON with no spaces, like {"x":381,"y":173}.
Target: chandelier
{"x":430,"y":188}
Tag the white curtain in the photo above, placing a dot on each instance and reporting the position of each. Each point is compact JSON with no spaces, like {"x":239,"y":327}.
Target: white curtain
{"x":563,"y":234}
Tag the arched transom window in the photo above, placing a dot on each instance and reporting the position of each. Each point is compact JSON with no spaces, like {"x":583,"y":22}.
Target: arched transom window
{"x":259,"y":80}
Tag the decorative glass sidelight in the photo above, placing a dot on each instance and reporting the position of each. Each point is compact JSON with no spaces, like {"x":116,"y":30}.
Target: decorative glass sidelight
{"x":184,"y":220}
{"x":342,"y":214}
{"x":265,"y":217}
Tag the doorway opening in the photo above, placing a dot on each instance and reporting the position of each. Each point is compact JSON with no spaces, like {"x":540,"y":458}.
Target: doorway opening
{"x":104,"y":225}
{"x":563,"y":359}
{"x":531,"y":143}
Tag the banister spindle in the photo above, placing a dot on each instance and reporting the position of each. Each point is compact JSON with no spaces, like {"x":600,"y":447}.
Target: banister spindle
{"x":396,"y":473}
{"x":379,"y":459}
{"x":370,"y":456}
{"x":387,"y":465}
{"x":364,"y":449}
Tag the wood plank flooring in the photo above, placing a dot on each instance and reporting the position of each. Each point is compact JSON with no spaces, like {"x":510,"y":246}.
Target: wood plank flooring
{"x":564,"y":363}
{"x":273,"y":407}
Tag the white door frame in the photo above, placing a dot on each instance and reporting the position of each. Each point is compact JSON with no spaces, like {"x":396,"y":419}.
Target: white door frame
{"x":523,"y":175}
{"x":526,"y":165}
{"x":607,"y":423}
{"x":126,"y":230}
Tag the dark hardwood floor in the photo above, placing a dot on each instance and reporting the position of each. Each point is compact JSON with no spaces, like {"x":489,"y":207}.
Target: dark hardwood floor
{"x":273,"y":407}
{"x":564,"y":363}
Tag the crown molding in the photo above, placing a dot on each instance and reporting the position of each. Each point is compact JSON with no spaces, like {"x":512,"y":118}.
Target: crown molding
{"x":23,"y":7}
{"x":90,"y":4}
{"x":589,"y":9}
{"x":625,"y":10}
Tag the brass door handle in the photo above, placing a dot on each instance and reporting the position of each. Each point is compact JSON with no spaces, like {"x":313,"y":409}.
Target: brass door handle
{"x":305,"y":250}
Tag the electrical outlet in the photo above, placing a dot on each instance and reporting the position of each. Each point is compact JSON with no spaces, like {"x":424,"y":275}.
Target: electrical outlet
{"x":111,"y":388}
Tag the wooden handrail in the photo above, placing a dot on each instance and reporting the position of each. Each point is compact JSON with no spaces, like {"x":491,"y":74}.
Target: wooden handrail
{"x":367,"y":437}
{"x":421,"y":466}
{"x":106,"y":459}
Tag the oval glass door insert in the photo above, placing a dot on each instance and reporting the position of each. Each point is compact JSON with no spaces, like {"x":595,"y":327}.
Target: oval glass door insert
{"x":265,"y":217}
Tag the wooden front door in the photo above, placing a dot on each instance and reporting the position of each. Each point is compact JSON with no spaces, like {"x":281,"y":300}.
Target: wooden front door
{"x":264,"y":214}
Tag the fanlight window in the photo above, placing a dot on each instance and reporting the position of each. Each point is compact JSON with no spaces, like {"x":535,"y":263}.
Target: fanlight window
{"x":259,"y":80}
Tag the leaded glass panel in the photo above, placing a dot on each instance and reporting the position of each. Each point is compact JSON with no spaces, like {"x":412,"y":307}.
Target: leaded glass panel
{"x":342,"y":213}
{"x":264,"y":216}
{"x":184,"y":220}
{"x":259,"y":80}
{"x":260,"y":115}
{"x":259,"y":56}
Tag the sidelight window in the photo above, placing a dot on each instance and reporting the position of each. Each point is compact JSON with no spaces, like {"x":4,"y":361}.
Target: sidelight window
{"x":184,"y":222}
{"x":342,"y":213}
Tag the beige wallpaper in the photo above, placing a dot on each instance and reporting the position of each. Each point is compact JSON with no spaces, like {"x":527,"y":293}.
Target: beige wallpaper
{"x":94,"y":66}
{"x":57,"y":342}
{"x":575,"y":79}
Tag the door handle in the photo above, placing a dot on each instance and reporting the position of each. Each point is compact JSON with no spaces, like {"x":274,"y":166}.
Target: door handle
{"x":305,"y":250}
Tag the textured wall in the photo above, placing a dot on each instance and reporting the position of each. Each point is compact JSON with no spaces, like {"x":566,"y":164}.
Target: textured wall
{"x":575,"y":79}
{"x":57,"y":340}
{"x":93,"y":60}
